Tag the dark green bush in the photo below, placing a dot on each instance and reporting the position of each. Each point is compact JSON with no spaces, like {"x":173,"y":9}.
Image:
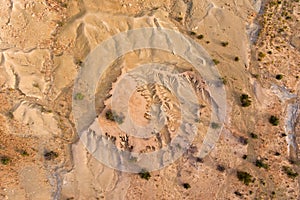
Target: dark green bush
{"x":236,"y":58}
{"x":200,"y":37}
{"x":243,"y":140}
{"x":224,"y":44}
{"x":186,"y":185}
{"x":237,"y":193}
{"x":253,"y":135}
{"x":50,"y":155}
{"x":245,"y":177}
{"x":216,"y":61}
{"x":279,"y":76}
{"x":289,"y":172}
{"x":274,"y":120}
{"x":4,"y":160}
{"x":113,"y":116}
{"x":23,"y":152}
{"x":221,"y":168}
{"x":215,"y":125}
{"x":145,"y":174}
{"x":261,"y":55}
{"x":261,"y":164}
{"x":245,"y":100}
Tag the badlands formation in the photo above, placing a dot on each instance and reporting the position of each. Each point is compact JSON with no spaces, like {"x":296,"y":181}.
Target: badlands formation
{"x":255,"y":47}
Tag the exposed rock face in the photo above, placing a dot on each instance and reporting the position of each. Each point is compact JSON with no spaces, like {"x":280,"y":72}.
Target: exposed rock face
{"x":27,"y":71}
{"x":41,"y":122}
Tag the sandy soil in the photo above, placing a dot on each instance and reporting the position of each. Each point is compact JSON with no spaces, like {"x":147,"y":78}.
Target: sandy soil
{"x":43,"y":45}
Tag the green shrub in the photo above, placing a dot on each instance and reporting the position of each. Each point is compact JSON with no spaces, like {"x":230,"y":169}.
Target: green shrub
{"x":145,"y":174}
{"x":186,"y":185}
{"x":236,"y":58}
{"x":261,"y":55}
{"x":79,"y":96}
{"x":253,"y":135}
{"x":277,"y":153}
{"x":289,"y":172}
{"x":243,"y":140}
{"x":23,"y":152}
{"x":245,"y":177}
{"x":200,"y":37}
{"x":179,"y":19}
{"x":224,"y":80}
{"x":216,"y":61}
{"x":221,"y":168}
{"x":215,"y":125}
{"x":5,"y":160}
{"x":113,"y":116}
{"x":274,"y":120}
{"x":50,"y":155}
{"x":279,"y":76}
{"x":237,"y":193}
{"x":261,"y":164}
{"x":245,"y":100}
{"x":224,"y":44}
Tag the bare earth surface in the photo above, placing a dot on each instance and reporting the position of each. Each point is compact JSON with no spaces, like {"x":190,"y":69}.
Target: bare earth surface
{"x":43,"y":45}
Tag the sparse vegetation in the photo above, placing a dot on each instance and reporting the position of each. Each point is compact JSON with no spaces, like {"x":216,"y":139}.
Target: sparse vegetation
{"x":36,"y":85}
{"x":50,"y":155}
{"x":253,"y":135}
{"x":224,"y":44}
{"x":277,"y":153}
{"x":10,"y":114}
{"x":289,"y":172}
{"x":192,"y":33}
{"x":261,"y":55}
{"x":279,"y":76}
{"x":79,"y":96}
{"x":243,"y":140}
{"x":245,"y":157}
{"x":216,"y":61}
{"x":200,"y":37}
{"x":274,"y":120}
{"x":224,"y":80}
{"x":245,"y":177}
{"x":245,"y":100}
{"x":237,"y":193}
{"x":23,"y":152}
{"x":236,"y":59}
{"x":78,"y":62}
{"x":215,"y":125}
{"x":179,"y":19}
{"x":261,"y":164}
{"x":186,"y":185}
{"x":221,"y":168}
{"x":145,"y":174}
{"x":5,"y":160}
{"x":113,"y":116}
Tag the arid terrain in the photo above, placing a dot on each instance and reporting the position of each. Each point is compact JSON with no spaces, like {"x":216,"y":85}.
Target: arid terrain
{"x":255,"y":45}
